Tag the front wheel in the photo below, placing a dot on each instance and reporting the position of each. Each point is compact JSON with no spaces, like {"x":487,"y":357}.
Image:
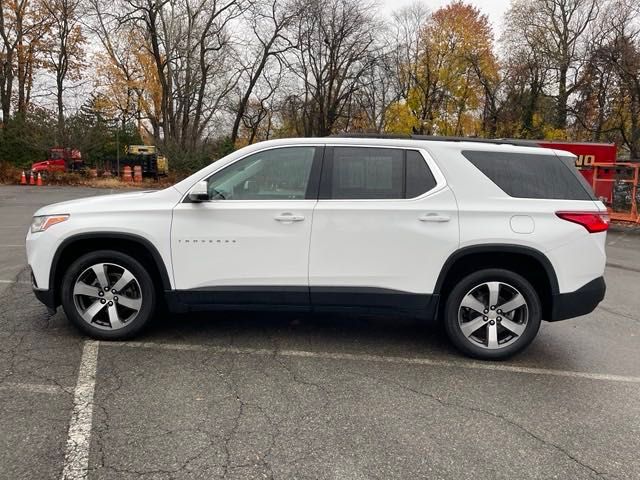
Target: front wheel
{"x":492,"y":314}
{"x":108,"y":295}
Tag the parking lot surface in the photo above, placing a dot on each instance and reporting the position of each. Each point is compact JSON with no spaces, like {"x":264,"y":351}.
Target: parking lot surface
{"x":311,"y":397}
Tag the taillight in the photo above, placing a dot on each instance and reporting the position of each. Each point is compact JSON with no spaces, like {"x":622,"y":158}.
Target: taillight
{"x":594,"y":222}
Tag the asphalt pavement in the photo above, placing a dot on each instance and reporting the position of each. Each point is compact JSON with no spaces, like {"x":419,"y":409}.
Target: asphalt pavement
{"x":252,"y":396}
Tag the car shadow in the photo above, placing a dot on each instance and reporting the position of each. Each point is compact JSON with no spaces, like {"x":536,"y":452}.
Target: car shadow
{"x":352,"y":333}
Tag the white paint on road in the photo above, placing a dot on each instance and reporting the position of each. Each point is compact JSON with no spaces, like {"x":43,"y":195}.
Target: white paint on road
{"x":468,"y":365}
{"x":76,"y":459}
{"x":11,"y":246}
{"x":15,"y":281}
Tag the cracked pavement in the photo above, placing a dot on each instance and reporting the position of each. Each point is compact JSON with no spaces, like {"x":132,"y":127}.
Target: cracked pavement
{"x":240,"y":406}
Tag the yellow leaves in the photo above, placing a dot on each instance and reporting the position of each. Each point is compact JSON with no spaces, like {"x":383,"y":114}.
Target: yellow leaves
{"x":400,"y":118}
{"x":128,"y":76}
{"x":456,"y":56}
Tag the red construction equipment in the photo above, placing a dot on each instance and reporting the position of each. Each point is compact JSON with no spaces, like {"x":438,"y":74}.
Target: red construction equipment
{"x":60,"y":159}
{"x":621,"y":179}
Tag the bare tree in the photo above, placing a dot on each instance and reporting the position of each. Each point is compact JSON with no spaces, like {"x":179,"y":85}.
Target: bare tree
{"x":556,"y":30}
{"x":622,"y":51}
{"x":66,"y":49}
{"x":407,"y":23}
{"x":336,"y":38}
{"x":21,"y":25}
{"x":269,"y":22}
{"x":192,"y":50}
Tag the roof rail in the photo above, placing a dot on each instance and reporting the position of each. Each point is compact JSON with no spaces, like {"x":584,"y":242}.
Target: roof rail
{"x":437,"y":138}
{"x":400,"y":136}
{"x":498,"y":141}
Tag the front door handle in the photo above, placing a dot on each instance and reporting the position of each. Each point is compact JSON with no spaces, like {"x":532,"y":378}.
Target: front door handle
{"x":434,"y":217}
{"x":289,"y":218}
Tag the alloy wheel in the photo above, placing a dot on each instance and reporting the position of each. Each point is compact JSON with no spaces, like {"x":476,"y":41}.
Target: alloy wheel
{"x":493,"y":315}
{"x":107,"y":296}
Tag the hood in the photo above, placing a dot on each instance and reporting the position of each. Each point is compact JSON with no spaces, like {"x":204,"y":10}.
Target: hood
{"x":111,"y":203}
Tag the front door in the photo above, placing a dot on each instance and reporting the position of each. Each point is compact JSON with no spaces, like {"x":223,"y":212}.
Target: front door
{"x":250,"y":242}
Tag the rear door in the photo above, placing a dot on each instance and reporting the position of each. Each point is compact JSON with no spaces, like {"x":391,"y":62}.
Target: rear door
{"x":383,"y":227}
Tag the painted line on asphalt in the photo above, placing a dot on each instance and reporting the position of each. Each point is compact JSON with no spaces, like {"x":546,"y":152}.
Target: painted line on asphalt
{"x":470,"y":365}
{"x":15,"y":281}
{"x":11,"y":246}
{"x":623,"y":267}
{"x":33,"y":388}
{"x":76,"y":459}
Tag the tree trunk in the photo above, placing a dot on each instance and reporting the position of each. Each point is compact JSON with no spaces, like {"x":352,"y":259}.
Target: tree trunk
{"x":563,"y":97}
{"x":634,"y":115}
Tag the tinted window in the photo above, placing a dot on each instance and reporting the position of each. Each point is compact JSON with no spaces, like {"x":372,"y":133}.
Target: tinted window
{"x":419,"y":177}
{"x":367,"y":173}
{"x":277,"y":174}
{"x":378,"y":173}
{"x":526,"y":175}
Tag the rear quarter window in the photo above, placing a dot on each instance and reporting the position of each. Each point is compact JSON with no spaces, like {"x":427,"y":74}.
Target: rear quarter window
{"x":524,"y":175}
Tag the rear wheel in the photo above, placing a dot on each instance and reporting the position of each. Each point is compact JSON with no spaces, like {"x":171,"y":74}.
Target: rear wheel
{"x":108,"y":295}
{"x":492,"y":314}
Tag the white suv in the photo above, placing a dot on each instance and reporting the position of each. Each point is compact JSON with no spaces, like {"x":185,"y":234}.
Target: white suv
{"x":489,"y":237}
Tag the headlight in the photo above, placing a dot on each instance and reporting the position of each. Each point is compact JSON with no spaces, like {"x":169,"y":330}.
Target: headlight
{"x":40,"y":224}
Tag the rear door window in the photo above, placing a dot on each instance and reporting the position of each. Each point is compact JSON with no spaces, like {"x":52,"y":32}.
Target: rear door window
{"x":418,"y":175}
{"x":375,"y":173}
{"x":525,"y":175}
{"x":367,"y":173}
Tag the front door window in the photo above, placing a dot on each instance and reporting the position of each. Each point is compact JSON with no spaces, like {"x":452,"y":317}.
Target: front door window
{"x":277,"y":174}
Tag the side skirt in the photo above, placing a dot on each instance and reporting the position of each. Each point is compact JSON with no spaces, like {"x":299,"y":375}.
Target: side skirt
{"x":304,"y":299}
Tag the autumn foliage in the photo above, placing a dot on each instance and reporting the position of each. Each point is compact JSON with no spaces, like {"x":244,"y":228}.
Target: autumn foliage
{"x":199,"y":78}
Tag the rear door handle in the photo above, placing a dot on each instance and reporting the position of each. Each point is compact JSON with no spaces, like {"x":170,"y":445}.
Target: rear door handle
{"x":289,"y":218}
{"x":434,"y":217}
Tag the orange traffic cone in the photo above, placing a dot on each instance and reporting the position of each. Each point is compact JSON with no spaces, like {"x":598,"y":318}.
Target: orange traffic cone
{"x":39,"y":180}
{"x":32,"y":180}
{"x":23,"y":179}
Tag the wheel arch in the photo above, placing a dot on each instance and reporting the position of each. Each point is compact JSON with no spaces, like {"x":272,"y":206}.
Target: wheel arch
{"x":131,"y":244}
{"x":528,"y":262}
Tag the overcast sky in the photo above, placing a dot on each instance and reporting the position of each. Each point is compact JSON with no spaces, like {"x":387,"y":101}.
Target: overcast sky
{"x":494,"y":8}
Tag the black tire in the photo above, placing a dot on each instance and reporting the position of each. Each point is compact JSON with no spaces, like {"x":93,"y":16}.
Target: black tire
{"x":474,"y":348}
{"x":142,"y":277}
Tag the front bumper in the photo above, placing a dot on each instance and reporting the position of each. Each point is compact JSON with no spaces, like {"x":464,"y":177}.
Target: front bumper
{"x":581,"y":302}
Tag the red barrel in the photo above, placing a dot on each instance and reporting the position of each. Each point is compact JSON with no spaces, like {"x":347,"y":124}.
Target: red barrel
{"x":126,"y":174}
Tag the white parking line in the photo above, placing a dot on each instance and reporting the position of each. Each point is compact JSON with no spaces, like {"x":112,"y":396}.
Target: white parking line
{"x":76,"y":459}
{"x":15,"y":281}
{"x":469,"y":365}
{"x":33,"y":388}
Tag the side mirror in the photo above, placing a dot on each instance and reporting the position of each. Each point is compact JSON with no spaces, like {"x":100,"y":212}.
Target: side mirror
{"x":200,"y":192}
